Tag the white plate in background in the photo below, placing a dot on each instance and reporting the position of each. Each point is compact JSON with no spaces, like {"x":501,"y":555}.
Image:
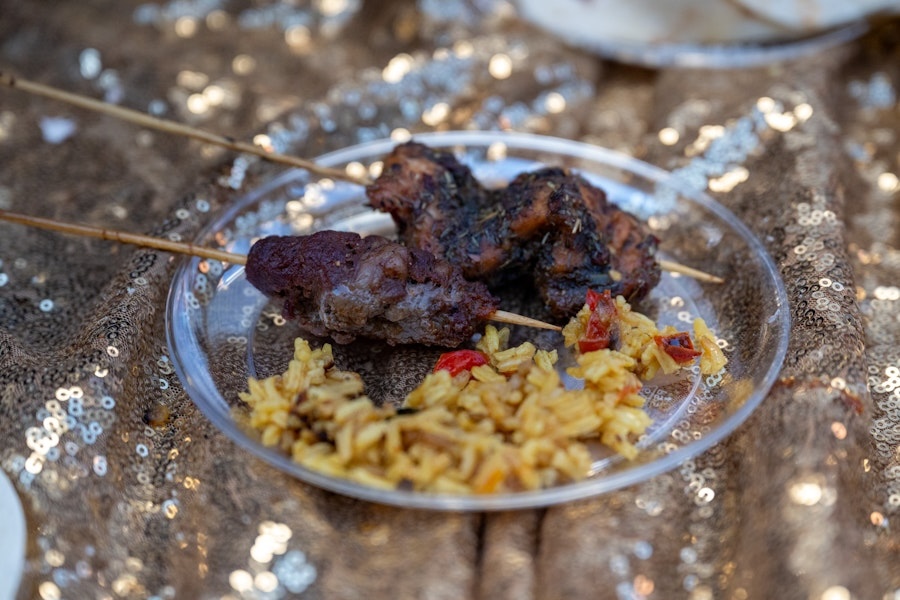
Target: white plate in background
{"x":12,"y":539}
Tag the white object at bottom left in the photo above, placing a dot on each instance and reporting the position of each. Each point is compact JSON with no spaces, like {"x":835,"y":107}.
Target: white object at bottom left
{"x":12,"y":539}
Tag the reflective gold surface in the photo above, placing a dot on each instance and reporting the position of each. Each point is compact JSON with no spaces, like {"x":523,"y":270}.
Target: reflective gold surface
{"x":131,"y":493}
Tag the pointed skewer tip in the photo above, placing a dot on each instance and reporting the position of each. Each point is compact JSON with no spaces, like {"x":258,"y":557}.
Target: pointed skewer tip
{"x":502,"y":316}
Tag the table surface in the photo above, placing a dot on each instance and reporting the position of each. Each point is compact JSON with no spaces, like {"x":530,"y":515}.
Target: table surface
{"x":141,"y":497}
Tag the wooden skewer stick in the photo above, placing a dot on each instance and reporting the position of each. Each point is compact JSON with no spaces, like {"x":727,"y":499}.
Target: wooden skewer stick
{"x":144,"y":120}
{"x":148,"y":241}
{"x":674,"y":267}
{"x":502,"y":316}
{"x":135,"y":239}
{"x":139,"y":118}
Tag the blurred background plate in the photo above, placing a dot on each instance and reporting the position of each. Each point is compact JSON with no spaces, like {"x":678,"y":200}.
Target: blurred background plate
{"x":12,"y":539}
{"x":704,"y":33}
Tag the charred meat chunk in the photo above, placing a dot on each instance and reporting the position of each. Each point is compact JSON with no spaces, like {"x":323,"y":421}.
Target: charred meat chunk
{"x":432,"y":197}
{"x":551,"y":224}
{"x":580,"y":241}
{"x":343,"y":286}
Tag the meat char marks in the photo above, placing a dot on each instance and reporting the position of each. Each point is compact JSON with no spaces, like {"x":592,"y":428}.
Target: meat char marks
{"x":343,"y":286}
{"x":550,"y":224}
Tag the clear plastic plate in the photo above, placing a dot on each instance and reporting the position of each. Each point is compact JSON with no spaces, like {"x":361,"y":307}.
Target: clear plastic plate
{"x":221,"y":330}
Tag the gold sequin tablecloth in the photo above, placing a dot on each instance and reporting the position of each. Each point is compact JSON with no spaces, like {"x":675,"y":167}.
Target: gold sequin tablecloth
{"x":141,"y":497}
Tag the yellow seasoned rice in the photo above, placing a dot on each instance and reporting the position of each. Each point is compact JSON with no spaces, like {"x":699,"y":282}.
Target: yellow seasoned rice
{"x":636,"y":333}
{"x":506,"y":426}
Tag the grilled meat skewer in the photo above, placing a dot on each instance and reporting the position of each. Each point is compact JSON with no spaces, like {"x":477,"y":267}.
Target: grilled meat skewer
{"x":550,"y":224}
{"x":343,"y":286}
{"x":181,"y":129}
{"x":439,"y":271}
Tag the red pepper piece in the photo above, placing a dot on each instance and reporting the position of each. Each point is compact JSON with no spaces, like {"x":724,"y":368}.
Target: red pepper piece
{"x":678,"y":345}
{"x":596,"y":335}
{"x":593,"y":298}
{"x":460,"y":360}
{"x":600,"y":328}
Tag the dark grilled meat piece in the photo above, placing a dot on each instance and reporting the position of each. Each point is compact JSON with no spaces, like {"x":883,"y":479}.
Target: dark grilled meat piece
{"x":551,"y":225}
{"x":579,"y":240}
{"x":432,"y":197}
{"x":343,"y":286}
